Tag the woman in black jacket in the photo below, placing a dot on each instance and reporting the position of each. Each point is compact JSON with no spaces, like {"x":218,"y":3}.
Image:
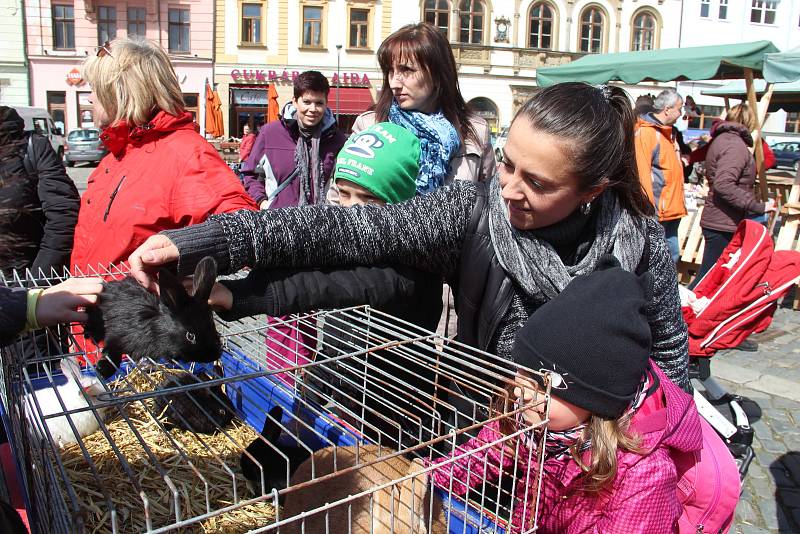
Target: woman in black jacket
{"x":506,"y":247}
{"x":38,"y":202}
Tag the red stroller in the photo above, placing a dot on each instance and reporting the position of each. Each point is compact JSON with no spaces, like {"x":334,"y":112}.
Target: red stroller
{"x":736,"y":298}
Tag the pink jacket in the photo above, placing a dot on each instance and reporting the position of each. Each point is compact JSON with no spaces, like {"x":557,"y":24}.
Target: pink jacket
{"x":642,"y":499}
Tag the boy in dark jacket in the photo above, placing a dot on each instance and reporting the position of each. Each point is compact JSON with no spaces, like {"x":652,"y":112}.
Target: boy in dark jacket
{"x":377,"y":166}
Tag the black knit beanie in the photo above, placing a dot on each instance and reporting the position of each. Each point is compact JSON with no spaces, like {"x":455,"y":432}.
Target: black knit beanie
{"x":595,"y":335}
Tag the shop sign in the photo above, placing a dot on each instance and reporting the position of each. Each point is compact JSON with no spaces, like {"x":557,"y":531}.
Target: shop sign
{"x":269,"y":76}
{"x":74,"y":77}
{"x":250,"y":97}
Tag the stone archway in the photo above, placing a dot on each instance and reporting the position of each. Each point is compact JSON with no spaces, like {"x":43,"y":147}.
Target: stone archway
{"x":487,"y":110}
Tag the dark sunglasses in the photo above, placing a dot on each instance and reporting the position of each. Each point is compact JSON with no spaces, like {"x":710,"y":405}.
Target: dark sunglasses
{"x":104,"y":50}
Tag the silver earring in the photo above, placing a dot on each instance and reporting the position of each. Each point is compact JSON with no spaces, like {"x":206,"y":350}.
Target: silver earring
{"x":586,"y":207}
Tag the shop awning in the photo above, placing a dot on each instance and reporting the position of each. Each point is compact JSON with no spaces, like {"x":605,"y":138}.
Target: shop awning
{"x":691,"y":63}
{"x":785,"y":96}
{"x":352,"y":100}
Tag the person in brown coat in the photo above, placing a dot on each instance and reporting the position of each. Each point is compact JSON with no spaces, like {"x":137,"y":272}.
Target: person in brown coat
{"x":731,"y":173}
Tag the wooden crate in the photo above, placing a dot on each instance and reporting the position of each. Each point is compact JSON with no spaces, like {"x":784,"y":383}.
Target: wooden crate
{"x":690,"y":241}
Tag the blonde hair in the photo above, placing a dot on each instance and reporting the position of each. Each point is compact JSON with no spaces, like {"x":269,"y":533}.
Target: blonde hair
{"x":742,"y":114}
{"x":134,"y":81}
{"x":607,"y":437}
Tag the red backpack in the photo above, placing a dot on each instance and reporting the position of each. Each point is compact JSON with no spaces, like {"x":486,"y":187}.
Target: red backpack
{"x":708,"y":485}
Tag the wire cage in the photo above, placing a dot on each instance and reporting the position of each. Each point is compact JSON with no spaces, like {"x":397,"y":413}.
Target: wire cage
{"x":386,"y":428}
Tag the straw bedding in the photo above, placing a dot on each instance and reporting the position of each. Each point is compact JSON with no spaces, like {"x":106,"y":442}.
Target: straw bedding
{"x":200,"y":454}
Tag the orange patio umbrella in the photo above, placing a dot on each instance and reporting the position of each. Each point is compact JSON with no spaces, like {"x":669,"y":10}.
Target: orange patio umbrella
{"x":213,"y":113}
{"x":272,"y":104}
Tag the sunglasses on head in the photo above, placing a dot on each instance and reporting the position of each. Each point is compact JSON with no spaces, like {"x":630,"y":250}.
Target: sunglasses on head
{"x":104,"y":50}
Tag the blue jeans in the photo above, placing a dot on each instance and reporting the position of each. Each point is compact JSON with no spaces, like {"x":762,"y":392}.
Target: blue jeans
{"x":671,"y":235}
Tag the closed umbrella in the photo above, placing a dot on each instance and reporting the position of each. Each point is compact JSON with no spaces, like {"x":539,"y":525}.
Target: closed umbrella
{"x":212,"y":103}
{"x":272,"y":104}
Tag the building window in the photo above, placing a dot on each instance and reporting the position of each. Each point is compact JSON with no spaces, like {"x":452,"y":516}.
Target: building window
{"x":723,"y":9}
{"x":763,"y":11}
{"x":85,"y":110}
{"x":251,"y":24}
{"x":705,"y":8}
{"x":541,"y":21}
{"x":312,"y":26}
{"x":178,"y":29}
{"x":191,"y":101}
{"x":644,"y":32}
{"x":471,"y":15}
{"x":63,"y":27}
{"x":592,"y":22}
{"x":136,"y":21}
{"x":359,"y":28}
{"x":106,"y":24}
{"x":57,"y":107}
{"x":793,"y":122}
{"x":437,"y":13}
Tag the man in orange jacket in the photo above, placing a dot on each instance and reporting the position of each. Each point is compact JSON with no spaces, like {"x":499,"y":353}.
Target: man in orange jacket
{"x":658,"y":158}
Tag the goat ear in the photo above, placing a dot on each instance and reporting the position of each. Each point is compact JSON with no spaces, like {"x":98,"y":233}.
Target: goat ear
{"x":173,"y":295}
{"x":205,"y":274}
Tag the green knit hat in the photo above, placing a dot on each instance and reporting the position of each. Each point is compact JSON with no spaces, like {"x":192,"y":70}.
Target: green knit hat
{"x":384,"y":159}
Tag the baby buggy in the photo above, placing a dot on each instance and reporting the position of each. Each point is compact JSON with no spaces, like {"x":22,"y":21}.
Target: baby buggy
{"x":737,"y":297}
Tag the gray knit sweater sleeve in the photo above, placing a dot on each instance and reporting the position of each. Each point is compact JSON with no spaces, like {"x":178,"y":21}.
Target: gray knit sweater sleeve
{"x":426,"y":233}
{"x":669,"y":331}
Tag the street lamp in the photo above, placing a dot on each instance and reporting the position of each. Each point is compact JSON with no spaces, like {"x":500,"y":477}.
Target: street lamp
{"x":338,"y":80}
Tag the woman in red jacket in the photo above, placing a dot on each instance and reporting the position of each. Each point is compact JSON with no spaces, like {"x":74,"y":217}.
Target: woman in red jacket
{"x":159,"y":173}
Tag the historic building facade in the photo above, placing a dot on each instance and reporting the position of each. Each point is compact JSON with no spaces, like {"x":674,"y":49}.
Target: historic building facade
{"x":62,"y":33}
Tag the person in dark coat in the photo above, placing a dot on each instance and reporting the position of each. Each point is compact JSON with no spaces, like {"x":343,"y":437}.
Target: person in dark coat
{"x":731,"y":173}
{"x":38,"y":205}
{"x":306,"y":139}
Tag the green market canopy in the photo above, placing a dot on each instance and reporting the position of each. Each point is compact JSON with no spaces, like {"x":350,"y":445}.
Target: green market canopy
{"x":785,"y":96}
{"x":693,"y":63}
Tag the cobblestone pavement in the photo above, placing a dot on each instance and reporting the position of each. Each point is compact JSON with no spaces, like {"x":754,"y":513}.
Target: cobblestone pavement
{"x":771,"y":498}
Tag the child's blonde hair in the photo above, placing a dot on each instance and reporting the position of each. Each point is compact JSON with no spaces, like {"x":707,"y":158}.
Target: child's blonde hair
{"x":134,"y":80}
{"x":607,"y":436}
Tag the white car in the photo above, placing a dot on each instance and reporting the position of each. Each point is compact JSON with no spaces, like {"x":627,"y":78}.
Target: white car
{"x":499,"y":143}
{"x":38,"y":120}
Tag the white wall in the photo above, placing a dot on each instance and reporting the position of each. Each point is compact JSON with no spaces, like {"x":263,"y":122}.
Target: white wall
{"x":737,"y":28}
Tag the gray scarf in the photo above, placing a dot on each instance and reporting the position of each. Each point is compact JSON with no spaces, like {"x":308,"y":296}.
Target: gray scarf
{"x":533,"y":263}
{"x":306,"y":160}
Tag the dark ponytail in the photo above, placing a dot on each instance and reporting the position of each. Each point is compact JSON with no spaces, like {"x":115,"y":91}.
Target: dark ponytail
{"x":597,"y":125}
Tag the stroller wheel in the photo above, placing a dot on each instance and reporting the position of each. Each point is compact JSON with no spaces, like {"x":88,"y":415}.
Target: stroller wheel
{"x":750,"y":407}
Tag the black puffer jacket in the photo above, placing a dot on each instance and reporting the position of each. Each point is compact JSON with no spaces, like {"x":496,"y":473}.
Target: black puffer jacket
{"x":37,"y":213}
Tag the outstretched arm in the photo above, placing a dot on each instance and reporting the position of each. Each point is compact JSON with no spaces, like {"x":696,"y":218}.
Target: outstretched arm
{"x":426,"y":233}
{"x":279,"y":292}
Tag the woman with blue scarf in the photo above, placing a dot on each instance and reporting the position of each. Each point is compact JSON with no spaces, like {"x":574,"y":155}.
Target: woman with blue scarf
{"x":454,"y":142}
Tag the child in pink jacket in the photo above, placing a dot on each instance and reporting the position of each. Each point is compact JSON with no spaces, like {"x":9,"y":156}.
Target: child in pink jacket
{"x":606,"y":395}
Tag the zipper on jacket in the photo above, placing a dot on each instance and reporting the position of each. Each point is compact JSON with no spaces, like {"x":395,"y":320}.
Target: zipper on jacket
{"x":112,"y":197}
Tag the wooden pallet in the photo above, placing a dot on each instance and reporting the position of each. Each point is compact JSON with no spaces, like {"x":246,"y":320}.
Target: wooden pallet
{"x":788,"y":236}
